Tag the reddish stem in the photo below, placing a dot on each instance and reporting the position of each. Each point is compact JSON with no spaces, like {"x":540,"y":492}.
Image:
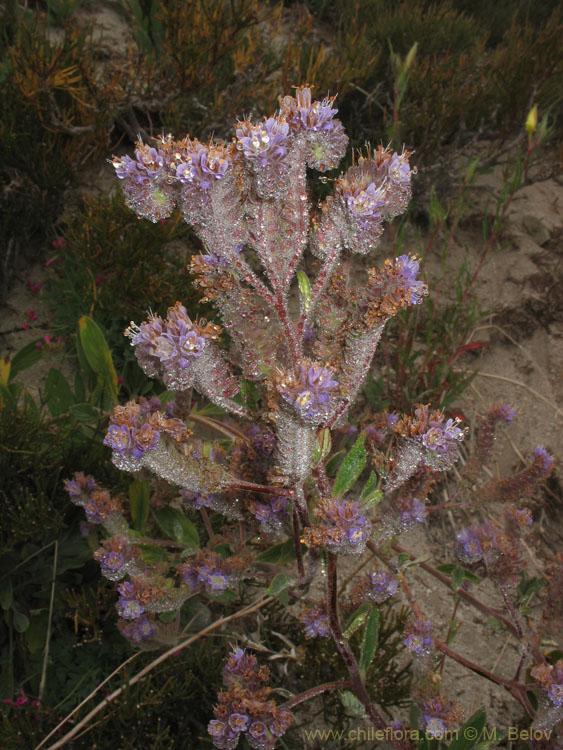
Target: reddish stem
{"x":516,"y":689}
{"x":347,"y":653}
{"x":313,"y":692}
{"x":207,"y":523}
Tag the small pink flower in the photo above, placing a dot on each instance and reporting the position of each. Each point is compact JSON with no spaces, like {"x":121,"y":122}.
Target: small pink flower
{"x":49,"y":263}
{"x":31,"y":315}
{"x":34,"y":288}
{"x":119,"y":380}
{"x":26,"y":326}
{"x":39,"y":345}
{"x":59,"y":243}
{"x":99,"y":280}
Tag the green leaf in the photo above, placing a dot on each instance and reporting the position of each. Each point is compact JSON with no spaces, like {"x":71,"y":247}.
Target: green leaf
{"x":304,"y":289}
{"x":226,"y":597}
{"x":323,"y":444}
{"x":36,"y":633}
{"x":352,"y":705}
{"x":357,"y":619}
{"x":6,"y":593}
{"x":21,"y":622}
{"x":414,"y":716}
{"x":369,"y":644}
{"x":167,"y":617}
{"x":79,"y":388}
{"x":98,"y":354}
{"x":25,"y":358}
{"x":139,"y":497}
{"x":333,"y":463}
{"x":58,"y":394}
{"x":351,"y":467}
{"x":280,"y":583}
{"x":458,"y":576}
{"x":279,"y":554}
{"x":370,"y":494}
{"x":469,"y":734}
{"x":85,"y":414}
{"x":438,"y":213}
{"x":176,"y":526}
{"x":404,"y":557}
{"x":152,"y":553}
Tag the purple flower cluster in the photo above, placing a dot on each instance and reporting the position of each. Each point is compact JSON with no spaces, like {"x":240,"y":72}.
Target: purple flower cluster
{"x":343,"y":527}
{"x":469,"y":544}
{"x":146,"y":185}
{"x":419,"y":638}
{"x":245,"y":708}
{"x":272,"y":513}
{"x":199,"y":165}
{"x":167,"y":348}
{"x":263,"y":143}
{"x":381,"y":587}
{"x":543,"y":459}
{"x":550,"y":677}
{"x":411,"y":511}
{"x":374,"y":190}
{"x":315,"y":121}
{"x":308,"y":390}
{"x":209,"y":571}
{"x":138,"y":630}
{"x":499,"y":550}
{"x":135,"y":429}
{"x":439,"y":714}
{"x":115,"y":557}
{"x":409,"y":267}
{"x":439,"y":437}
{"x":393,"y":288}
{"x":98,"y":505}
{"x":315,"y":620}
{"x":128,"y":606}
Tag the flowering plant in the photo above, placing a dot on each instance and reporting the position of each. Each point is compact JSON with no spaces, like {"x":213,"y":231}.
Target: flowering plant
{"x":292,"y":369}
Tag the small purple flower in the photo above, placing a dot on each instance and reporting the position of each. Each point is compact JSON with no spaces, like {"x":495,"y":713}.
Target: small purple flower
{"x":399,"y":171}
{"x":238,"y":722}
{"x":413,"y":511}
{"x":257,"y":730}
{"x":366,"y":204}
{"x":79,"y":486}
{"x":543,"y":459}
{"x":419,"y":640}
{"x":138,"y":630}
{"x":202,"y":165}
{"x":206,"y":569}
{"x":555,"y":694}
{"x":309,"y":390}
{"x":381,"y":586}
{"x":409,"y":267}
{"x":470,"y":544}
{"x":129,"y":609}
{"x":263,"y":142}
{"x":506,"y":413}
{"x":316,"y":623}
{"x":216,"y":728}
{"x":435,"y":727}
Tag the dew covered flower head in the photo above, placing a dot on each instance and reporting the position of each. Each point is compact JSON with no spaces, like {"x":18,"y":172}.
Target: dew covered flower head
{"x":168,"y":348}
{"x":309,"y":389}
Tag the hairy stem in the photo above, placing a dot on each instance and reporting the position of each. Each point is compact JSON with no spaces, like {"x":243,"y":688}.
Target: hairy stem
{"x":345,"y":650}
